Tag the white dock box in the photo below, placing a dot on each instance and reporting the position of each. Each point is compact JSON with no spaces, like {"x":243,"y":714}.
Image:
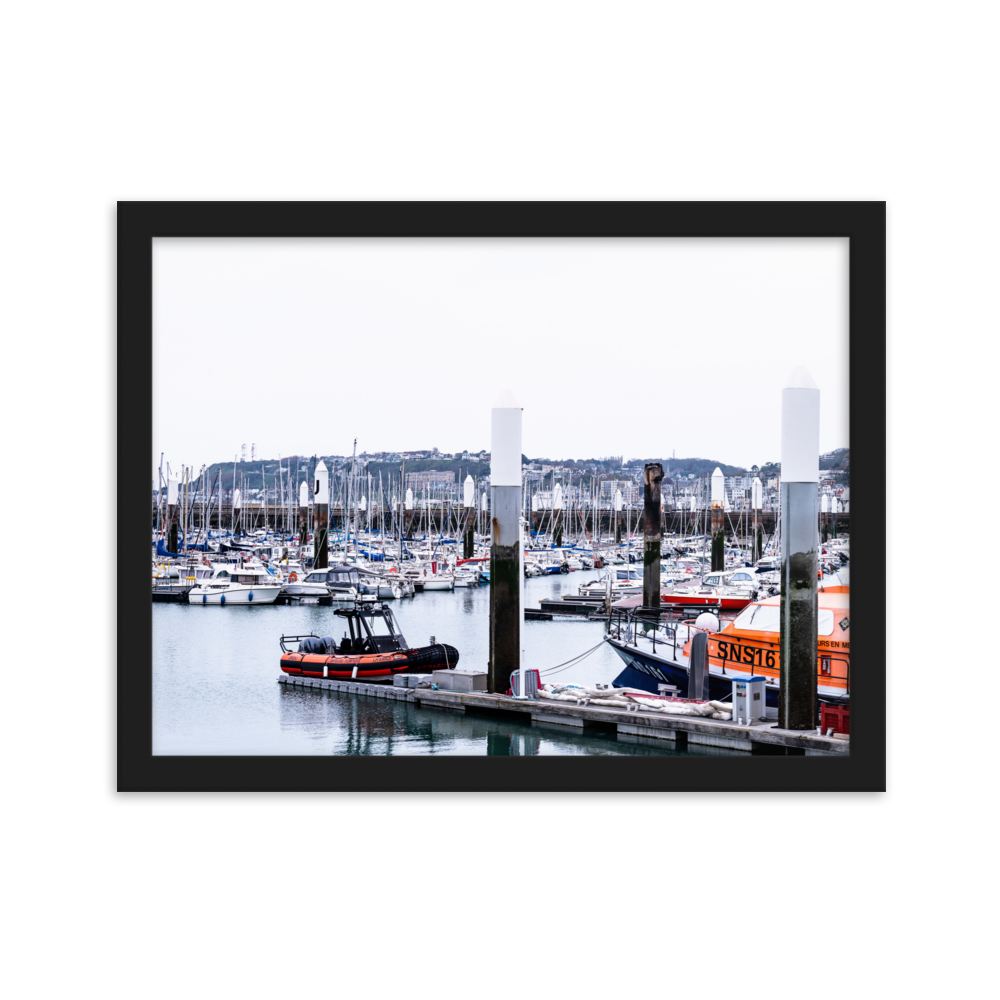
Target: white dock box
{"x":748,"y":699}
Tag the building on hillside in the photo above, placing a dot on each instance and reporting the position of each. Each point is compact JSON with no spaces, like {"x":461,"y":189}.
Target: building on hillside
{"x":429,"y":480}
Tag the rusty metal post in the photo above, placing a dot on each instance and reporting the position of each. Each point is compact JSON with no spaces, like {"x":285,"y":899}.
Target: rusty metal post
{"x":718,"y":539}
{"x":652,"y":536}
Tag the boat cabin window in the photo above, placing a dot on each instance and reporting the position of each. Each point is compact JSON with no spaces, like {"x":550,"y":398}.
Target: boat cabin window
{"x":316,"y":578}
{"x":742,"y":578}
{"x":713,"y":581}
{"x":825,"y":623}
{"x":767,"y":618}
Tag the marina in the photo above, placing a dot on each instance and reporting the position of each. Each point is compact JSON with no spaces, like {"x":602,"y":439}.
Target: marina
{"x":683,"y":602}
{"x":674,"y":642}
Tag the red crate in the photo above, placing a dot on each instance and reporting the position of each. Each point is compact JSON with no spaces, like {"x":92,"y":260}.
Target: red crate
{"x":835,"y":717}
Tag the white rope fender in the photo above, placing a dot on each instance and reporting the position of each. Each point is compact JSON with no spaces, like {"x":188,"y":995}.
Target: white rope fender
{"x":632,"y":699}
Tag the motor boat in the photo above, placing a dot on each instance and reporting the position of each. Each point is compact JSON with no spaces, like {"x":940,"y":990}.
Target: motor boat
{"x":372,"y":648}
{"x":624,"y":583}
{"x":236,"y":584}
{"x":747,"y":645}
{"x":727,"y":590}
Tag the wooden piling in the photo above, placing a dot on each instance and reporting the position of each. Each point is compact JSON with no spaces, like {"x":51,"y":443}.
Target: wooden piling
{"x":718,"y":538}
{"x":652,"y":535}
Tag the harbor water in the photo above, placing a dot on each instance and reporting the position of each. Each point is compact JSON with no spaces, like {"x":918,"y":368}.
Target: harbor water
{"x":215,"y":687}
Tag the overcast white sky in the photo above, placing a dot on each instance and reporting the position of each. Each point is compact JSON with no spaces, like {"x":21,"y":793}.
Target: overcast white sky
{"x":639,"y":347}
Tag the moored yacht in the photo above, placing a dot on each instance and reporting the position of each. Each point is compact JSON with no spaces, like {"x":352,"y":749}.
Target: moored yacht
{"x":236,"y":584}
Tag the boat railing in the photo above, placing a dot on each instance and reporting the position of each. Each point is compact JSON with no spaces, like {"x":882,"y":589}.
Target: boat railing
{"x":830,"y":665}
{"x":294,"y":638}
{"x":835,"y":667}
{"x":633,"y":618}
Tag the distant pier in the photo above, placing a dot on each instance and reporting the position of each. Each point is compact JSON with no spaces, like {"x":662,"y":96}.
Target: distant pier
{"x":448,"y":518}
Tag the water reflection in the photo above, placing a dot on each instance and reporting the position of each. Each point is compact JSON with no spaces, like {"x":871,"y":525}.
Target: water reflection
{"x":215,"y":687}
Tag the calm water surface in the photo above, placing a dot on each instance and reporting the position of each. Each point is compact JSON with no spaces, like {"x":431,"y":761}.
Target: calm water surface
{"x":215,"y":688}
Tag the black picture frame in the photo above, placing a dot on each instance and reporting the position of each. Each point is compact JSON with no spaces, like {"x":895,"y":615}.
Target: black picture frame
{"x":862,"y":223}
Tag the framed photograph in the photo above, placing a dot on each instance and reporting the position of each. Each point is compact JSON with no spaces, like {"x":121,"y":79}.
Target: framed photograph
{"x":273,"y":349}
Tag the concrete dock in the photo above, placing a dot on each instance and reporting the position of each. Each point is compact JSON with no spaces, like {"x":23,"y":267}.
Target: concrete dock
{"x":762,"y":738}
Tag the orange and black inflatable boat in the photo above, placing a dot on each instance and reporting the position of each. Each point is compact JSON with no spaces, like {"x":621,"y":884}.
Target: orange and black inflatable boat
{"x":372,"y":648}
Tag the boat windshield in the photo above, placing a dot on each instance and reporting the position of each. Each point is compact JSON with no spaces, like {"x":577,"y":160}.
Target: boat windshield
{"x":767,"y":618}
{"x":383,"y":625}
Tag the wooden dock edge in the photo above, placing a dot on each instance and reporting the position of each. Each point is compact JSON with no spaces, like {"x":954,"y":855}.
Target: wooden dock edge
{"x":693,"y":729}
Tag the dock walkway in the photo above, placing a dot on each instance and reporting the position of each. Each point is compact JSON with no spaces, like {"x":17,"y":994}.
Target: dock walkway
{"x":763,"y":738}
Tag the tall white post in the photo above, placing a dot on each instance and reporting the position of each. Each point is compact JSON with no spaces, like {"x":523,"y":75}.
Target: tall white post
{"x":797,"y":700}
{"x":506,"y":569}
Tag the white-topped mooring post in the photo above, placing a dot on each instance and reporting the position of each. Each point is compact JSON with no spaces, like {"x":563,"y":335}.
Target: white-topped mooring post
{"x":321,"y":516}
{"x":557,"y":508}
{"x":756,"y":501}
{"x":506,"y":569}
{"x":522,"y":657}
{"x":237,"y":511}
{"x":172,"y":489}
{"x":797,"y":699}
{"x":469,"y":518}
{"x":303,"y":512}
{"x":652,"y":534}
{"x":718,"y":520}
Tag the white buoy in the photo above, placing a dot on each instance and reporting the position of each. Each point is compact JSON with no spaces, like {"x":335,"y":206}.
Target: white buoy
{"x":707,"y":621}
